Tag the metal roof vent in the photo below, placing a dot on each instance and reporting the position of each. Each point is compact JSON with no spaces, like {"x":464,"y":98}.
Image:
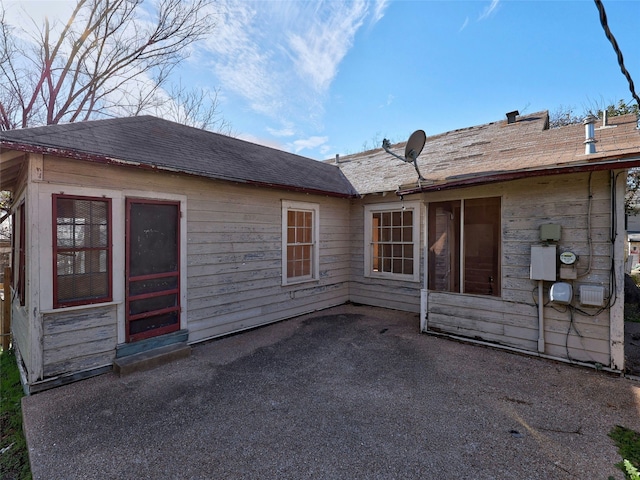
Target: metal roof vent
{"x":589,"y":134}
{"x":511,"y":116}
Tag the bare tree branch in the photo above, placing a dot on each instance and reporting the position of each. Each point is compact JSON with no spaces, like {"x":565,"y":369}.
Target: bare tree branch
{"x":111,"y":57}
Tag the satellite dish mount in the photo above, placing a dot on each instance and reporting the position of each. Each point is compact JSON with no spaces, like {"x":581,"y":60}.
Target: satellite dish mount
{"x":414,"y":147}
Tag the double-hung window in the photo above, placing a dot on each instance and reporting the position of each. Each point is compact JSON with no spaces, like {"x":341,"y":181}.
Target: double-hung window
{"x":392,"y":241}
{"x":300,"y":258}
{"x":81,"y":250}
{"x":465,"y":246}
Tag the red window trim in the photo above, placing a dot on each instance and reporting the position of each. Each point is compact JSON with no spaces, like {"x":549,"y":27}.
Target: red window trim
{"x":54,"y":222}
{"x":22,"y":255}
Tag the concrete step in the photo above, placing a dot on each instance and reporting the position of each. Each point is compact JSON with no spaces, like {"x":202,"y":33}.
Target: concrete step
{"x":151,"y":358}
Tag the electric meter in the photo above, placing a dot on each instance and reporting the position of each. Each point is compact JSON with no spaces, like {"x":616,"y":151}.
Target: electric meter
{"x":568,"y":258}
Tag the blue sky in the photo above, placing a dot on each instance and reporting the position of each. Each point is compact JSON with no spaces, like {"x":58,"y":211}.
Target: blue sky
{"x":335,"y":77}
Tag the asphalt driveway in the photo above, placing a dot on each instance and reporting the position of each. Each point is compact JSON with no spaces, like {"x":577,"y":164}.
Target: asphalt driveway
{"x":350,"y":392}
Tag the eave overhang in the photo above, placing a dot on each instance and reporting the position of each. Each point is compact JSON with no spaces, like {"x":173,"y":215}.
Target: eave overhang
{"x":102,"y":159}
{"x":623,"y":162}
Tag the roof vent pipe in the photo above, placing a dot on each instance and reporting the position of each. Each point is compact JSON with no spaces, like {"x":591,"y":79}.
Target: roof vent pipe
{"x":511,"y":116}
{"x":590,"y":136}
{"x":605,"y":118}
{"x":337,"y":158}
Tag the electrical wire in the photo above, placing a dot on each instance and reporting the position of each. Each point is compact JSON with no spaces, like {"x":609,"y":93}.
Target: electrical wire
{"x":616,"y":48}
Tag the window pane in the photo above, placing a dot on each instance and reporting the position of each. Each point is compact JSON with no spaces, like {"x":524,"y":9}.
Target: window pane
{"x":154,"y":322}
{"x":153,"y":303}
{"x":444,"y":246}
{"x":154,"y":238}
{"x":300,"y":240}
{"x":153,"y":285}
{"x":392,"y":241}
{"x":81,"y":250}
{"x":482,"y":246}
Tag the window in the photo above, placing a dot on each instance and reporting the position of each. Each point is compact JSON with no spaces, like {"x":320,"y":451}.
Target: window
{"x":392,"y":241}
{"x":18,"y":253}
{"x":465,"y":246}
{"x":81,"y":250}
{"x":300,"y":242}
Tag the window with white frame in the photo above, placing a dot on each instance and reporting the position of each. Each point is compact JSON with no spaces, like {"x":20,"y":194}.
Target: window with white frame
{"x":300,"y":257}
{"x":465,"y":246}
{"x":392,"y":240}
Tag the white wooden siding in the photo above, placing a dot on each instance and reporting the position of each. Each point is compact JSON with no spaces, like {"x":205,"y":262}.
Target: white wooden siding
{"x":234,"y":254}
{"x":512,"y":320}
{"x":20,"y":332}
{"x":388,"y":293}
{"x":234,"y":245}
{"x":79,"y":339}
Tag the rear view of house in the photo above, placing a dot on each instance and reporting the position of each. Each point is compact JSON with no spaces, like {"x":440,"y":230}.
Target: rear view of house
{"x":514,"y":236}
{"x":136,"y":233}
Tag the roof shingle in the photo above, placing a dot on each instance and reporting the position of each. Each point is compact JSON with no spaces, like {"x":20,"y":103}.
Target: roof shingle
{"x":493,"y":150}
{"x":156,"y":143}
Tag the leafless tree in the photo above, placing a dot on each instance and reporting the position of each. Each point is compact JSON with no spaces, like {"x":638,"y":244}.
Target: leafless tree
{"x":197,"y":108}
{"x":562,"y":116}
{"x":111,"y":58}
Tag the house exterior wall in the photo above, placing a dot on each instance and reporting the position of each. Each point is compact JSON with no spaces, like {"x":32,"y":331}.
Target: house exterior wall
{"x":232,"y":264}
{"x":21,"y":316}
{"x":512,"y":319}
{"x":579,"y":203}
{"x":381,"y":292}
{"x":231,"y":261}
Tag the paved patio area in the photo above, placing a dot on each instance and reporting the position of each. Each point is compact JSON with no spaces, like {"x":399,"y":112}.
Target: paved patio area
{"x":350,"y":392}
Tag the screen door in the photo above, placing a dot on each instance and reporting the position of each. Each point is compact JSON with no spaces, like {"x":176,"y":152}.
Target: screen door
{"x":152,"y":268}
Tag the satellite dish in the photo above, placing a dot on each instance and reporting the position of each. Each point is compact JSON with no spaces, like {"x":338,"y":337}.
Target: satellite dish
{"x":414,"y":146}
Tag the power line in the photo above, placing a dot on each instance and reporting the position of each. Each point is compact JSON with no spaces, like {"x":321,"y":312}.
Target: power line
{"x":616,"y":48}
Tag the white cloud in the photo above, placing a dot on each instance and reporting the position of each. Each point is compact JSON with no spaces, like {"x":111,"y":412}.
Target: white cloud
{"x":318,"y":50}
{"x":286,"y":131}
{"x":379,"y":9}
{"x":281,"y":57}
{"x":464,"y":25}
{"x":247,"y":137}
{"x":488,"y":11}
{"x":308,"y":143}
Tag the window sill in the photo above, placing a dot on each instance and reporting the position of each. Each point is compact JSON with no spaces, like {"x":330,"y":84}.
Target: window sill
{"x":81,"y":307}
{"x":477,"y":295}
{"x":292,"y":283}
{"x":394,"y":276}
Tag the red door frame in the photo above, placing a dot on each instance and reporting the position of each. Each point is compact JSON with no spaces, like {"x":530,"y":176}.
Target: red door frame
{"x":128,"y":279}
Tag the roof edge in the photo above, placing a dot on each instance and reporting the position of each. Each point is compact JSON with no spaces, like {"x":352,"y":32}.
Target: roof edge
{"x":95,"y":158}
{"x":618,"y":163}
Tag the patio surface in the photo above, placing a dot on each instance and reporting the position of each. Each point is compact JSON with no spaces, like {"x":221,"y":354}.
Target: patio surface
{"x":350,"y":392}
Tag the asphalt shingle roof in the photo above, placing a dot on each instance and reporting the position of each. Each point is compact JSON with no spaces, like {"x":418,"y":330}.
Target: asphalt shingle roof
{"x":153,"y":142}
{"x":493,"y":150}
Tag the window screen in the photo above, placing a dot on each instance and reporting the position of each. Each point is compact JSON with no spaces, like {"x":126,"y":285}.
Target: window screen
{"x":82,"y":252}
{"x":465,"y":246}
